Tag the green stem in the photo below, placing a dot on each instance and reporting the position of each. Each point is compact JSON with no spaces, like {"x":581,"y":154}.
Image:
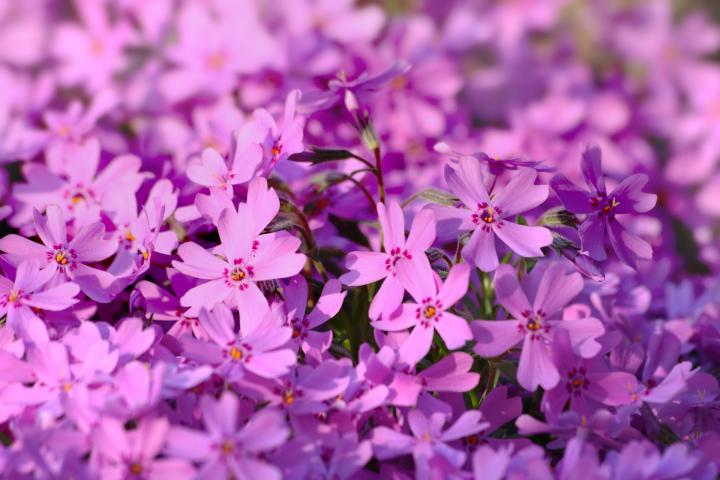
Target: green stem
{"x":378,"y":167}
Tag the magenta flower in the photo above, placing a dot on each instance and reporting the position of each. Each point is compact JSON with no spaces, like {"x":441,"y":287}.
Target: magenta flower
{"x":225,"y":448}
{"x":280,"y":140}
{"x":261,"y":351}
{"x":535,"y":325}
{"x":487,"y":216}
{"x":20,"y":300}
{"x":78,"y":187}
{"x":132,"y":454}
{"x":430,"y":312}
{"x":586,"y":383}
{"x":602,"y":208}
{"x":428,"y":441}
{"x":212,"y":170}
{"x":248,"y":259}
{"x":328,"y":305}
{"x":369,"y":267}
{"x":163,"y":306}
{"x":92,"y":53}
{"x":68,"y":259}
{"x":308,"y":390}
{"x":528,"y":463}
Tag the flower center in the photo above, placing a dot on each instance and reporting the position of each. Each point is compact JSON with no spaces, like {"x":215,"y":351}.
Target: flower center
{"x":237,"y":275}
{"x":604,"y":204}
{"x":534,"y":324}
{"x":227,"y":447}
{"x":288,"y":397}
{"x":62,"y":257}
{"x":276,"y":149}
{"x":396,"y":254}
{"x":215,"y":61}
{"x":577,"y":381}
{"x":486,"y":215}
{"x":429,"y":311}
{"x":399,"y":83}
{"x":236,"y":354}
{"x":136,"y":468}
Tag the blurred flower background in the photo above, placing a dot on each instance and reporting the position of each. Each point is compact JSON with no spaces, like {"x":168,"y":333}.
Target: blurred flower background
{"x":129,"y":130}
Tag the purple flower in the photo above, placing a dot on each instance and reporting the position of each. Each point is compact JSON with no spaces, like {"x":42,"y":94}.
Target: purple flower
{"x":369,"y":267}
{"x":585,"y":383}
{"x":428,"y":441}
{"x":602,"y":208}
{"x":225,"y":448}
{"x":295,"y":293}
{"x":131,"y":454}
{"x":528,"y":463}
{"x":487,"y":216}
{"x":535,"y":325}
{"x":22,"y":299}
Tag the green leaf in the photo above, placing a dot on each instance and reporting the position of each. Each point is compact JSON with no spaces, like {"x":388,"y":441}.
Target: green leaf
{"x":438,"y":197}
{"x":321,"y":155}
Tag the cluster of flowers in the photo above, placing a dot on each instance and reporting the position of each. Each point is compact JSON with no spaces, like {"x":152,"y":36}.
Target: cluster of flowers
{"x":205,"y":270}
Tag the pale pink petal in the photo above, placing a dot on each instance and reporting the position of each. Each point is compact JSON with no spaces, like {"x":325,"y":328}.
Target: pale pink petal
{"x":536,"y":367}
{"x":495,"y":337}
{"x":454,"y":330}
{"x":524,"y":240}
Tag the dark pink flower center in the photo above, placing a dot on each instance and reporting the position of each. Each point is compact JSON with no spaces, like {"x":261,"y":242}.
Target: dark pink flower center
{"x":486,"y":215}
{"x":534,"y":324}
{"x":429,"y":311}
{"x":604,"y":204}
{"x":577,"y":381}
{"x":395,"y":255}
{"x":13,"y":297}
{"x":239,"y":275}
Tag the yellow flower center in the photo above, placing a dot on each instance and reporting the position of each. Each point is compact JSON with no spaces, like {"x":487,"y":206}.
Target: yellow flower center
{"x":227,"y":447}
{"x":14,"y":296}
{"x":288,"y":397}
{"x":61,"y":258}
{"x":238,"y":275}
{"x":533,"y":325}
{"x":429,"y":311}
{"x":236,"y":354}
{"x":215,"y":61}
{"x":136,"y":468}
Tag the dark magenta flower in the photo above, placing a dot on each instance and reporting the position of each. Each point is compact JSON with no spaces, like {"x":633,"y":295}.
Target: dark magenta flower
{"x":602,"y":209}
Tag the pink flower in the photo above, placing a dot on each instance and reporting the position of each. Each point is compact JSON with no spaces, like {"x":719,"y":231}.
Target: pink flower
{"x":369,"y":267}
{"x":20,"y":300}
{"x":76,"y":185}
{"x":430,"y":312}
{"x":248,"y":258}
{"x":535,"y":325}
{"x":132,"y":454}
{"x":261,"y":351}
{"x":487,"y":216}
{"x":327,"y":306}
{"x":428,"y":442}
{"x":66,"y":259}
{"x":93,"y":53}
{"x":225,"y":450}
